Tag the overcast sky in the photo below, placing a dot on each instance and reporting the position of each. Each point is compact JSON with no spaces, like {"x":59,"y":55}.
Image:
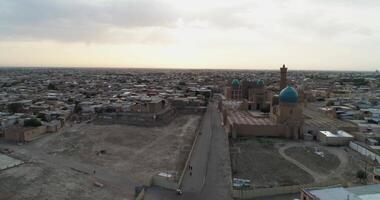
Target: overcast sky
{"x":255,"y":34}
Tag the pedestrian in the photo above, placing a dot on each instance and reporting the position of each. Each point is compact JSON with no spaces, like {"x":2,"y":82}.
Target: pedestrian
{"x":179,"y":191}
{"x":191,"y":168}
{"x":191,"y":173}
{"x":94,"y":171}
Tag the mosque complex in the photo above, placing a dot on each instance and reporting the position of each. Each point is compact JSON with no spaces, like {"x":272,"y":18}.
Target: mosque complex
{"x":250,"y":109}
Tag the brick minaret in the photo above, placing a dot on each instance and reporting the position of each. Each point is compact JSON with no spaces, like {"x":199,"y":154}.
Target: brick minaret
{"x":283,"y":81}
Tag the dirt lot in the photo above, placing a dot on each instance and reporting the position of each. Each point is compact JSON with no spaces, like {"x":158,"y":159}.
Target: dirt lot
{"x":275,"y":162}
{"x":138,"y":151}
{"x":337,"y":164}
{"x":38,"y":181}
{"x":65,"y":165}
{"x":317,"y":163}
{"x":259,"y":161}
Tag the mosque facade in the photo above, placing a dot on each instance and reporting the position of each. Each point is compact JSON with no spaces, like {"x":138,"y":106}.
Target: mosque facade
{"x":249,"y":109}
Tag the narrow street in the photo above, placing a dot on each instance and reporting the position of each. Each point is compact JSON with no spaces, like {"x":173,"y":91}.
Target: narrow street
{"x":219,"y":168}
{"x":193,"y":184}
{"x":210,"y":177}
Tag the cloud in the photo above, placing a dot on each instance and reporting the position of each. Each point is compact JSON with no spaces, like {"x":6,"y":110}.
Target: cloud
{"x":178,"y":32}
{"x":94,"y":21}
{"x":79,"y":20}
{"x":225,"y":17}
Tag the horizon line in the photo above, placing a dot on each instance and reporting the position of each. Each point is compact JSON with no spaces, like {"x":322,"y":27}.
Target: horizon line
{"x":186,"y":68}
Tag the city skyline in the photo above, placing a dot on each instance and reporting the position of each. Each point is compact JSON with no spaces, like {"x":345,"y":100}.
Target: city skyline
{"x":307,"y":35}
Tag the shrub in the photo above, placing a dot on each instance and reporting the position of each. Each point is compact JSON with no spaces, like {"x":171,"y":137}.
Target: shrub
{"x":52,"y":87}
{"x":361,"y":174}
{"x":34,"y":122}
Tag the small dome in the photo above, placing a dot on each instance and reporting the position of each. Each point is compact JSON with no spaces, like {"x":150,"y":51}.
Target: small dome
{"x":288,"y":95}
{"x":260,"y":83}
{"x":235,"y":83}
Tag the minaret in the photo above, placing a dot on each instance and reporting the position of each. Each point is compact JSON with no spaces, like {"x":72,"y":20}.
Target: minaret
{"x":283,"y":81}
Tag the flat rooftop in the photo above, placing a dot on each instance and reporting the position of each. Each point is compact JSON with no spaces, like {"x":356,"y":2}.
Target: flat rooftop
{"x":341,"y":134}
{"x":8,"y":162}
{"x":338,"y":193}
{"x":367,"y":192}
{"x":317,"y":119}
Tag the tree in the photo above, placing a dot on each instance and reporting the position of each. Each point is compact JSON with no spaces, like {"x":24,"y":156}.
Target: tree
{"x":52,"y":87}
{"x":33,"y":122}
{"x":361,"y":174}
{"x":329,"y":103}
{"x":41,"y":116}
{"x":15,"y":107}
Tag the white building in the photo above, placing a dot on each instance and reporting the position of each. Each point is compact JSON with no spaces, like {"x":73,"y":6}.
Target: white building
{"x":335,"y":139}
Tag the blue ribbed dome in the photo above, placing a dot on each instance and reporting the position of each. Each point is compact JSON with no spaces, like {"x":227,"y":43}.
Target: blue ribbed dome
{"x":260,"y":83}
{"x":235,"y":83}
{"x":288,"y":95}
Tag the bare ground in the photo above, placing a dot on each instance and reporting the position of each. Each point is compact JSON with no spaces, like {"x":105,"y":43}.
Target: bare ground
{"x":338,"y":163}
{"x":138,"y":151}
{"x":260,"y":161}
{"x":273,"y":162}
{"x":307,"y":156}
{"x":36,"y":181}
{"x":61,"y":165}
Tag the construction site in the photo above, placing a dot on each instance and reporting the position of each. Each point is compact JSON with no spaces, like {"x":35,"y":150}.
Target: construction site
{"x":96,"y":160}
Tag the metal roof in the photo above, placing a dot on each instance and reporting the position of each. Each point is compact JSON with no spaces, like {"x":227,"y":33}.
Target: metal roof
{"x":338,"y":193}
{"x":367,"y":192}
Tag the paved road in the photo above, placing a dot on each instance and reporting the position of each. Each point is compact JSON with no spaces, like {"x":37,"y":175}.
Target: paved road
{"x":211,"y":165}
{"x":219,"y":167}
{"x":192,"y":184}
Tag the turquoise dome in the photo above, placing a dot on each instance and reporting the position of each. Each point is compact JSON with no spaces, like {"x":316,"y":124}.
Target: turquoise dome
{"x":288,"y":95}
{"x":235,"y":83}
{"x":260,"y":83}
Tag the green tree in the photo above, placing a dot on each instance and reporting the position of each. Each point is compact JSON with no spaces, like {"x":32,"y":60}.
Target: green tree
{"x":33,"y":122}
{"x":329,"y":103}
{"x":52,"y":87}
{"x":361,"y":174}
{"x":41,"y":116}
